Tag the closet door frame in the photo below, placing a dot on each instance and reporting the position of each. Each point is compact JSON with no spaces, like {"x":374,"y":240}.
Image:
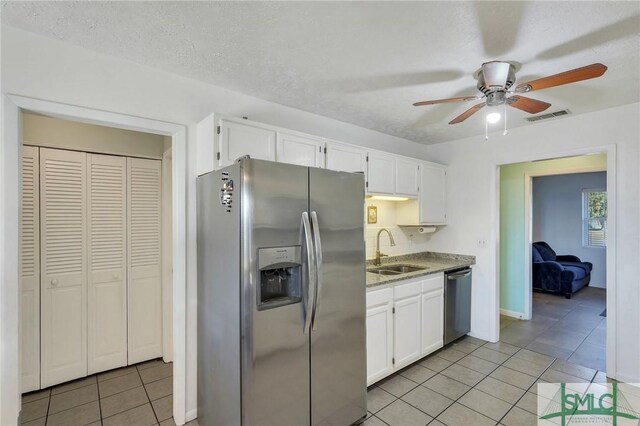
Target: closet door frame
{"x":183,"y":182}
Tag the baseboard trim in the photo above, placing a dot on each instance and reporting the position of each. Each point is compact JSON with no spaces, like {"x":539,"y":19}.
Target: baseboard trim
{"x":512,"y":314}
{"x":191,"y":415}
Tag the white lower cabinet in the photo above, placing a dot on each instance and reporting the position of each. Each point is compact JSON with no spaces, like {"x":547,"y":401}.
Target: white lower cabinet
{"x":379,"y":334}
{"x":432,"y":314}
{"x":404,"y":324}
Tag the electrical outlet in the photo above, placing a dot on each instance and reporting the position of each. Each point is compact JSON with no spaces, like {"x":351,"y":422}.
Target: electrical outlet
{"x":482,"y":242}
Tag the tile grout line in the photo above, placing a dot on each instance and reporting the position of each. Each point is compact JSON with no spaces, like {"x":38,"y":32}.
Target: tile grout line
{"x":99,"y":400}
{"x":146,"y":393}
{"x":48,"y":408}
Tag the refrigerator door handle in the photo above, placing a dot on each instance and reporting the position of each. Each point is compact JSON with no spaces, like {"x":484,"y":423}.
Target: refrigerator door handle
{"x":311,"y":266}
{"x":318,"y":246}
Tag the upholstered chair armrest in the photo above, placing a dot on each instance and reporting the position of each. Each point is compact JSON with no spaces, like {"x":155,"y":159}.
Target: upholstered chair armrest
{"x":567,"y":258}
{"x":548,"y":275}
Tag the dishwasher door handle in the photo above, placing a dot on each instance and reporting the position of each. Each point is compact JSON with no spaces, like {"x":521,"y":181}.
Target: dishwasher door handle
{"x":458,"y":276}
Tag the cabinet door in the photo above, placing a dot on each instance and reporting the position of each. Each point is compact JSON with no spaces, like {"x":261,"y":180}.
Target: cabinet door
{"x":406,"y":331}
{"x":382,"y":174}
{"x":299,"y":150}
{"x":432,"y":195}
{"x":432,"y":321}
{"x":379,"y":341}
{"x":237,"y":140}
{"x":63,"y":278}
{"x":144,"y":277}
{"x":107,"y":291}
{"x":346,"y":159}
{"x":30,"y":270}
{"x":407,"y":177}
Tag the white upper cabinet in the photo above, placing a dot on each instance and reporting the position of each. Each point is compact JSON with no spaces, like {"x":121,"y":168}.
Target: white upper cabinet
{"x":381,"y":175}
{"x":237,"y":140}
{"x":430,"y":207}
{"x":299,"y":150}
{"x":407,"y":177}
{"x":344,"y":158}
{"x":433,"y":194}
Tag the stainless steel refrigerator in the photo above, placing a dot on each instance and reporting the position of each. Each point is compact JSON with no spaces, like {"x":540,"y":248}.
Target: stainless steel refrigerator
{"x":281,"y":296}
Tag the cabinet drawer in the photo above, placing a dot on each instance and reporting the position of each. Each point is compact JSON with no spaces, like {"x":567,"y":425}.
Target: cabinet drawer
{"x":407,"y":290}
{"x":379,"y":297}
{"x":433,"y":282}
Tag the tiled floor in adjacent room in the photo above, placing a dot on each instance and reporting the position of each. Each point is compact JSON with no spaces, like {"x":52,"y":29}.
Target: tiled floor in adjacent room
{"x":570,"y":329}
{"x":140,"y":394}
{"x":473,"y":382}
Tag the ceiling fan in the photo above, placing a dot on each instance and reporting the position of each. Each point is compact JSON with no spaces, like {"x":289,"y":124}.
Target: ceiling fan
{"x":496,"y":78}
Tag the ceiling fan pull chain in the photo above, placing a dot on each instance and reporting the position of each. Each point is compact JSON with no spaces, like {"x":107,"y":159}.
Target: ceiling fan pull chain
{"x":486,"y":129}
{"x":505,"y":119}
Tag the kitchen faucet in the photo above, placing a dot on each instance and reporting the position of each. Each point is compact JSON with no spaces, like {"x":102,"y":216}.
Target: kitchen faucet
{"x":378,"y":254}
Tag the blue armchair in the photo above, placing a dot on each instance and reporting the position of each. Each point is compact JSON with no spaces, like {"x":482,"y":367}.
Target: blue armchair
{"x":558,"y":274}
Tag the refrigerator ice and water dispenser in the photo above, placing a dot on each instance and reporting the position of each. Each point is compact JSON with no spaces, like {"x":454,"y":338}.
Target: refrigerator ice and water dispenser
{"x":279,"y":284}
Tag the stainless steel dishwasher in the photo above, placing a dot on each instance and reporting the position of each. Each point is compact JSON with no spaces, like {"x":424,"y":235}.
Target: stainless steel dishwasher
{"x":457,"y":304}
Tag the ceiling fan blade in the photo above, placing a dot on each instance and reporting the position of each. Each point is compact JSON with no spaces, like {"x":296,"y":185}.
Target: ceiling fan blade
{"x":445,"y":101}
{"x":468,"y":113}
{"x":572,"y":76}
{"x":532,"y":106}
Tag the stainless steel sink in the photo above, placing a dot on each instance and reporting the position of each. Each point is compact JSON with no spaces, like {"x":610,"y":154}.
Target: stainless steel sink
{"x":383,"y":272}
{"x":396,"y":269}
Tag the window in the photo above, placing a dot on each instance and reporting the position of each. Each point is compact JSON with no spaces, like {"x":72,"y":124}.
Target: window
{"x":594,"y":218}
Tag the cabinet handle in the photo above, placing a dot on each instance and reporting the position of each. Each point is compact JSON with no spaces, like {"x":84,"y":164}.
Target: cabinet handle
{"x":54,"y":282}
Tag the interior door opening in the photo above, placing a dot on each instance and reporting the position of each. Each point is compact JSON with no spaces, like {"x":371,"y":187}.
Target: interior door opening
{"x":553,"y":282}
{"x":95,"y":268}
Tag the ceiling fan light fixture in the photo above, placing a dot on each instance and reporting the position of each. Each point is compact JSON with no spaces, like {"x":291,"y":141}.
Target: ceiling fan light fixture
{"x":493,"y":117}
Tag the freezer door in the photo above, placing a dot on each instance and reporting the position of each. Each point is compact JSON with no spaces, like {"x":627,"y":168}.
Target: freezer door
{"x":275,"y":349}
{"x":338,"y":336}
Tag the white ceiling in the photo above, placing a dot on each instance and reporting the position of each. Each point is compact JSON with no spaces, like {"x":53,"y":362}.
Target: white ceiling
{"x":363,"y":62}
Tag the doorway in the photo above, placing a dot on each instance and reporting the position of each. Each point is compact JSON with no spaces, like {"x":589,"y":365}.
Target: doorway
{"x":14,"y":107}
{"x":94,"y":299}
{"x":567,"y":329}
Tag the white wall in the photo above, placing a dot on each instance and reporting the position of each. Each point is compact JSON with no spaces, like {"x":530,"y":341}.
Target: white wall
{"x":472,"y":209}
{"x":557,"y":218}
{"x":407,"y":239}
{"x":56,"y":133}
{"x":38,"y":67}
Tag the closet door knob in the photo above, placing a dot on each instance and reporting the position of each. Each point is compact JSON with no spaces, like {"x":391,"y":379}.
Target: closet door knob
{"x":116,"y":276}
{"x":54,"y":282}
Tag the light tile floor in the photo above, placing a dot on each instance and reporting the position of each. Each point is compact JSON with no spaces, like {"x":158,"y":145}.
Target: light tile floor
{"x":140,"y":394}
{"x":569,"y":329}
{"x":473,"y":382}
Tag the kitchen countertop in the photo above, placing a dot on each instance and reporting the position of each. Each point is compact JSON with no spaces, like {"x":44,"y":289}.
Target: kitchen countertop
{"x":434,"y":262}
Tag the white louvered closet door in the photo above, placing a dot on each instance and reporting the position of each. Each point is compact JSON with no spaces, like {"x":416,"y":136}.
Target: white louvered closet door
{"x":107,"y":288}
{"x":64,"y":265}
{"x":144,"y":276}
{"x":30,"y":269}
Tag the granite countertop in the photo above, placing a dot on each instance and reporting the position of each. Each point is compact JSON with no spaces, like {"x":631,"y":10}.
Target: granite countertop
{"x":434,"y":262}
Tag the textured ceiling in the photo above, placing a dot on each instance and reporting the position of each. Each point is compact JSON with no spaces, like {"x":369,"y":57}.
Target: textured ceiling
{"x":363,"y":62}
